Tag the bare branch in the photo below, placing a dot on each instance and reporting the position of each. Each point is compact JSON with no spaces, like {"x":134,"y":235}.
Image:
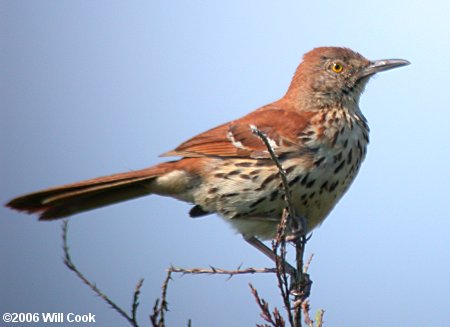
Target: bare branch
{"x":137,"y":292}
{"x":300,"y":286}
{"x":319,"y":318}
{"x":279,"y":245}
{"x":161,"y":305}
{"x":308,"y":263}
{"x":308,"y":321}
{"x":214,"y":270}
{"x":305,"y":309}
{"x":70,"y":264}
{"x":284,"y":180}
{"x":275,"y":319}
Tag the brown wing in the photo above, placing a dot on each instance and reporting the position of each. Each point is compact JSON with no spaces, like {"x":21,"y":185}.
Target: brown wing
{"x":236,"y":139}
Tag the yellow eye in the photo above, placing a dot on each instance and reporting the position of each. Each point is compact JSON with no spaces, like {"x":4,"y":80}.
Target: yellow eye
{"x":337,"y":67}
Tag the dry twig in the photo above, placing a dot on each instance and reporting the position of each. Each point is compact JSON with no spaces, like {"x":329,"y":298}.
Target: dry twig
{"x":214,"y":270}
{"x":161,"y":305}
{"x":300,"y":285}
{"x":274,"y":318}
{"x":131,"y":318}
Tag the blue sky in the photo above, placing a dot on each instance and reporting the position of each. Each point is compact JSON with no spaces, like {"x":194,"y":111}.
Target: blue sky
{"x":90,"y":88}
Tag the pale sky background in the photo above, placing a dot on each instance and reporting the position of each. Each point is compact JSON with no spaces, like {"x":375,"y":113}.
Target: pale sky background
{"x":90,"y":88}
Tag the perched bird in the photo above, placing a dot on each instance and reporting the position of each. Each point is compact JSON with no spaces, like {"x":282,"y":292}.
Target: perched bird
{"x":316,"y":129}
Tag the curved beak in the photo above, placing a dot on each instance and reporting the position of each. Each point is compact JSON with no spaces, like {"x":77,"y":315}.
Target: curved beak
{"x":382,"y":65}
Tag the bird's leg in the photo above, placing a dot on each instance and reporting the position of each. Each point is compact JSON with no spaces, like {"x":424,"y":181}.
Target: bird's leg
{"x":268,"y":252}
{"x":297,"y":230}
{"x":301,"y":285}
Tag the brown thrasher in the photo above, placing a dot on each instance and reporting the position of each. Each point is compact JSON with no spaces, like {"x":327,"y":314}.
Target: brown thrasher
{"x":317,"y":131}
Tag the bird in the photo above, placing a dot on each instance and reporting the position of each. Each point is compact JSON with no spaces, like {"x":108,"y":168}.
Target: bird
{"x":316,"y":130}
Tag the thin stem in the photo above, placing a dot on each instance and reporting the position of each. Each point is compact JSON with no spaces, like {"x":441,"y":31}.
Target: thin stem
{"x":71,"y":265}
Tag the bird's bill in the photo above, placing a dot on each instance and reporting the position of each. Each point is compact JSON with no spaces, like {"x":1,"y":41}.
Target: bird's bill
{"x":382,"y":65}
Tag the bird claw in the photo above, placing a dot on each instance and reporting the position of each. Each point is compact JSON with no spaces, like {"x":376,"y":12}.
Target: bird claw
{"x":302,"y":288}
{"x":297,"y":230}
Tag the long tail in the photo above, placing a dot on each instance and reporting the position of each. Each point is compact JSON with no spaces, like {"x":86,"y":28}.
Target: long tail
{"x":67,"y":200}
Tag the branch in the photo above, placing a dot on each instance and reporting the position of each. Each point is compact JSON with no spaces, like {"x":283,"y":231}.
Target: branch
{"x":275,"y":318}
{"x":69,"y":263}
{"x":214,"y":270}
{"x":284,"y":180}
{"x":160,"y":308}
{"x":300,"y":286}
{"x":279,"y":245}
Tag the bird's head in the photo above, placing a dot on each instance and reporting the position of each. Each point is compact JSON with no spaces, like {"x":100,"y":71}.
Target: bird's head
{"x":332,"y":75}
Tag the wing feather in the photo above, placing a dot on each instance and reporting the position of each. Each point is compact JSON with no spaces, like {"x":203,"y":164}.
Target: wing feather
{"x":235,"y":139}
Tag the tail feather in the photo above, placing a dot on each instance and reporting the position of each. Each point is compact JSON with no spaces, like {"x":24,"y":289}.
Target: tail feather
{"x":67,"y":200}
